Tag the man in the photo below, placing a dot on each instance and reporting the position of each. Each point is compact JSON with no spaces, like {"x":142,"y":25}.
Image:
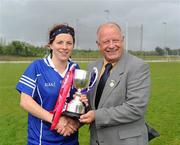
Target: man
{"x":117,"y":115}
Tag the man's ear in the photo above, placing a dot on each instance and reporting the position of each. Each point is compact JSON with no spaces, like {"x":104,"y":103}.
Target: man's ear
{"x":96,"y":42}
{"x":123,"y":38}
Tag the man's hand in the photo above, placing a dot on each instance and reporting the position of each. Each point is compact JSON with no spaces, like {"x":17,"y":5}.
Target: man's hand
{"x":88,"y":118}
{"x":67,"y":126}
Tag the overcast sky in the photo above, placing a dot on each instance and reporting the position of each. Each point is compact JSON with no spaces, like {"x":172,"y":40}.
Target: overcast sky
{"x":157,"y":21}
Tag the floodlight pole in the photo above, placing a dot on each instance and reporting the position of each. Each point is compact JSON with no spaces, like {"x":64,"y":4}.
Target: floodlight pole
{"x":165,"y":33}
{"x":107,"y":14}
{"x":77,"y":38}
{"x":141,"y":43}
{"x":126,"y":37}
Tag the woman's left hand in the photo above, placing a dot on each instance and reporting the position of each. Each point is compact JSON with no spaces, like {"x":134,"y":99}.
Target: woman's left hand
{"x":84,"y":99}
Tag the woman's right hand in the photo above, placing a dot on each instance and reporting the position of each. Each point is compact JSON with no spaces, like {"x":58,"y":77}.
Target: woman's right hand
{"x":67,"y":126}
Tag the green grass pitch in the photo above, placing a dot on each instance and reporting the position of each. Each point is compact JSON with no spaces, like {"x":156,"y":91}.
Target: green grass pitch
{"x":163,"y":111}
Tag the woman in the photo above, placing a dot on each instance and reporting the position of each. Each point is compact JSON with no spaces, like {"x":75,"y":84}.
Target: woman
{"x":39,"y":89}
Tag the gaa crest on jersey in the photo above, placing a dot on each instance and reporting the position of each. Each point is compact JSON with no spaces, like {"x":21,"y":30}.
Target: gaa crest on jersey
{"x":50,"y":84}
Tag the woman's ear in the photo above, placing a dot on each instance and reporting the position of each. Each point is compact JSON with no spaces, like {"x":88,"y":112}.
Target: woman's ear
{"x":50,"y":47}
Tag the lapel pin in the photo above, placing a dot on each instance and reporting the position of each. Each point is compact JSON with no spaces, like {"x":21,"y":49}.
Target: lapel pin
{"x":112,"y":83}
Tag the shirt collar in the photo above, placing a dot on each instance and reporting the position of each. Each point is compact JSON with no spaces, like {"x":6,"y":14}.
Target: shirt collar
{"x":105,"y":62}
{"x":50,"y":63}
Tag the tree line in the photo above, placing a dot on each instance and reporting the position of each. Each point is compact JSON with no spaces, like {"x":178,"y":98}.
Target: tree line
{"x":19,"y":48}
{"x":167,"y":51}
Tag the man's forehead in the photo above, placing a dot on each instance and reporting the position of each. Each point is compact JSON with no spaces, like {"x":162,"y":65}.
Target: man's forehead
{"x":108,"y":26}
{"x":109,"y":32}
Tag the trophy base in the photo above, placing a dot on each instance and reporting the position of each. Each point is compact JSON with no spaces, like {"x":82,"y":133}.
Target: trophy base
{"x":71,"y":114}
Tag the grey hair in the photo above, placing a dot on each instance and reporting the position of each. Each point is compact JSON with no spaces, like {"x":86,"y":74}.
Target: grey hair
{"x":108,"y":24}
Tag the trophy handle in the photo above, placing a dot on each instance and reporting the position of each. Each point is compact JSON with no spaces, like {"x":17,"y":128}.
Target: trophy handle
{"x":94,"y":76}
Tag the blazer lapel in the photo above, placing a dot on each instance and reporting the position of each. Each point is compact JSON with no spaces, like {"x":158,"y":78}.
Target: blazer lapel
{"x":99,"y":66}
{"x":113,"y":80}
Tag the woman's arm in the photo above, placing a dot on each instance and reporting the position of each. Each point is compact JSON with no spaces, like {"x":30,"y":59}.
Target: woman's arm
{"x":27,"y":103}
{"x":66,"y":126}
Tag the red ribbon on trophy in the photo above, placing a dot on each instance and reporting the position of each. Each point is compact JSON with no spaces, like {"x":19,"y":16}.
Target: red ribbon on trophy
{"x":64,"y":91}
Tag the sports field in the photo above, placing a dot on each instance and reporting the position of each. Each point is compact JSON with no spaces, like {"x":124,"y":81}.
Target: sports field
{"x":163,"y":110}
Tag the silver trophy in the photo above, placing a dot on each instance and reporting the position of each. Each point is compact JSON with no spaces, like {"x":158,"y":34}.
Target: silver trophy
{"x":83,"y":82}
